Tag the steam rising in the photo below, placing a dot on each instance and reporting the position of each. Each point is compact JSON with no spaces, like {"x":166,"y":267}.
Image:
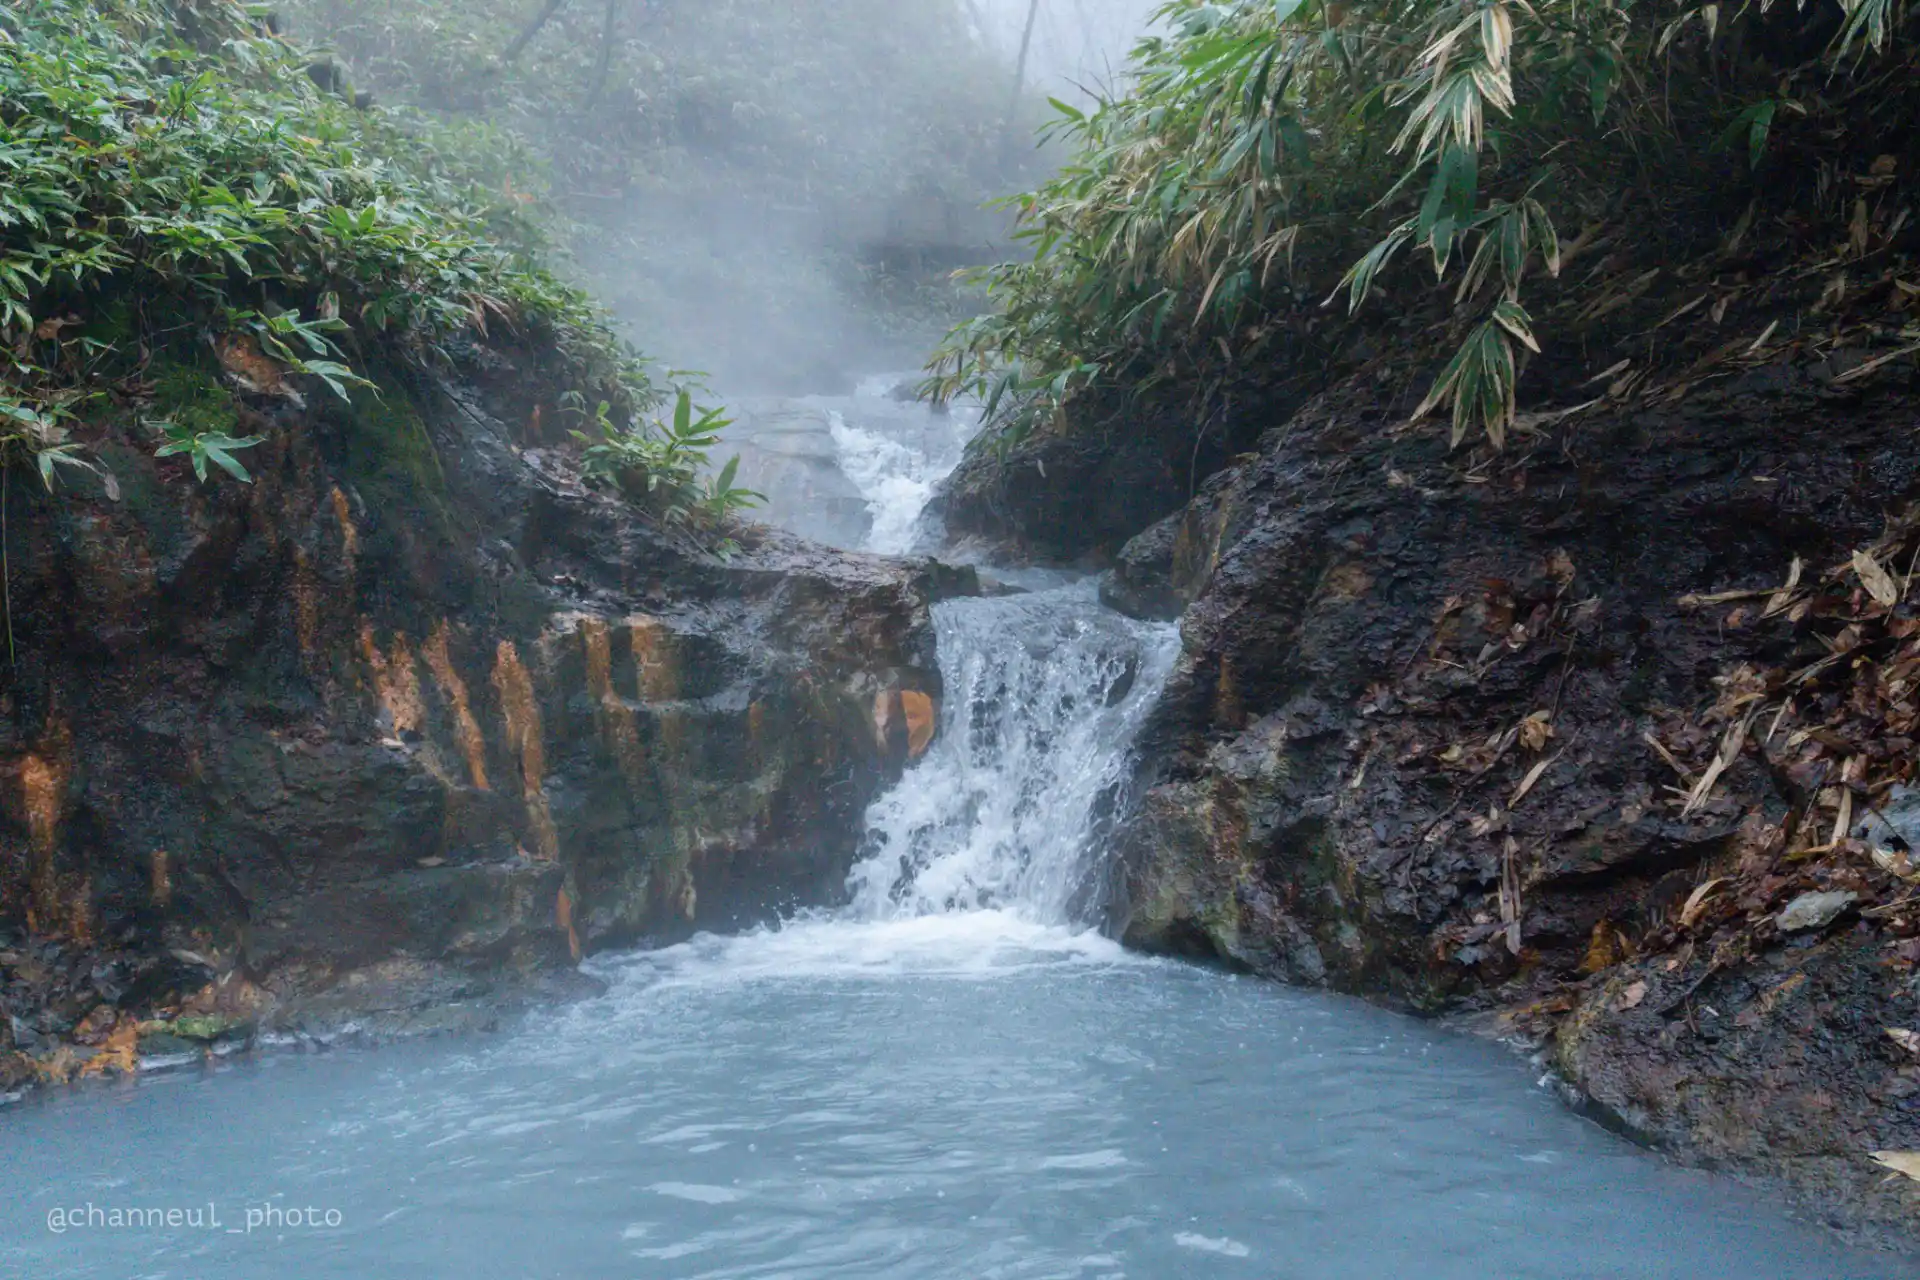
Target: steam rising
{"x":773,"y":193}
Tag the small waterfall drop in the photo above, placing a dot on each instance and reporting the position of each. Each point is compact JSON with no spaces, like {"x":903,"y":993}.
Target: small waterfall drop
{"x":1008,"y":809}
{"x":1007,"y":813}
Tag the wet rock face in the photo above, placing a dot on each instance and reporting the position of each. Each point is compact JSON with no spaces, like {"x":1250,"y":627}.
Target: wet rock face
{"x":1064,"y":498}
{"x":1406,"y":753}
{"x":419,"y":698}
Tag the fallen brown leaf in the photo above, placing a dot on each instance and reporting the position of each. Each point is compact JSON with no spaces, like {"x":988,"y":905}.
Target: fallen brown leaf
{"x":1894,"y":863}
{"x":1697,"y":901}
{"x":1526,"y":783}
{"x":1736,"y":738}
{"x":1902,"y":1162}
{"x":240,"y":355}
{"x":1878,"y":582}
{"x":1686,"y":774}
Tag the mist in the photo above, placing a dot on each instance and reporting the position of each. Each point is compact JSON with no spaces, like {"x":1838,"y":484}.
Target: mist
{"x":1078,"y":47}
{"x":775,"y":195}
{"x":774,"y":281}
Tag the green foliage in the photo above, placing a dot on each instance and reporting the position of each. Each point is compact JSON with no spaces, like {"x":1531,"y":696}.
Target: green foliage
{"x":1264,"y":149}
{"x":35,"y":434}
{"x":662,"y":460}
{"x":191,"y":395}
{"x":202,"y":447}
{"x":171,"y":177}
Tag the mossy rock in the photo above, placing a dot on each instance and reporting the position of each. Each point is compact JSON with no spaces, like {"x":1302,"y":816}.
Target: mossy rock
{"x":206,"y":1028}
{"x":161,"y":1044}
{"x":191,"y":396}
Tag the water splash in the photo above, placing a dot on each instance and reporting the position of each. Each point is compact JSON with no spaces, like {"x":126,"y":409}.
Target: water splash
{"x":1007,"y":811}
{"x":896,"y":480}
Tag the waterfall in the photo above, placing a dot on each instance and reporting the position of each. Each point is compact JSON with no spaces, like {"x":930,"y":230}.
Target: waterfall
{"x":1009,"y":810}
{"x":1009,"y":807}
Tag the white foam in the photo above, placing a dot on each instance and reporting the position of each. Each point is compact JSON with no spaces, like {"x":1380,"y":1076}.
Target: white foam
{"x":896,"y":481}
{"x":699,"y":1193}
{"x":1107,"y":1159}
{"x":974,"y":944}
{"x":896,"y":454}
{"x":1212,"y":1244}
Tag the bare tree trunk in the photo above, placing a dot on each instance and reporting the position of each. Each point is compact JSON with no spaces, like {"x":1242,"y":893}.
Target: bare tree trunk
{"x":1020,"y":76}
{"x":606,"y":54}
{"x":532,"y":29}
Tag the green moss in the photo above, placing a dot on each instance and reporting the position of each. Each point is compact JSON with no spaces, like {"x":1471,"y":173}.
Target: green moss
{"x":389,"y":442}
{"x":193,"y":397}
{"x":207,"y":1027}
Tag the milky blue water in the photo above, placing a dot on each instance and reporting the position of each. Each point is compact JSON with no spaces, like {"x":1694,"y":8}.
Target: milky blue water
{"x":958,"y":1098}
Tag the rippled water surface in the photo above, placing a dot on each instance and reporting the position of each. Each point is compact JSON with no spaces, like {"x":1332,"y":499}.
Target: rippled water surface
{"x":951,"y":1096}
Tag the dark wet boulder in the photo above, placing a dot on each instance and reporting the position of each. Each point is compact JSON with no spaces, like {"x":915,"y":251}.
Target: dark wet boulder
{"x":1437,"y":726}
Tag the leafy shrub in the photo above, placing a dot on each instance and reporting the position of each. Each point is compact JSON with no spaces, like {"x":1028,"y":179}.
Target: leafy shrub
{"x":662,"y":461}
{"x":1266,"y":148}
{"x":169,"y":170}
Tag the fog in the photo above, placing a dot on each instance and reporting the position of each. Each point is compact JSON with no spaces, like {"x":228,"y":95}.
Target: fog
{"x":775,"y":193}
{"x":769,"y":284}
{"x":1077,"y":45}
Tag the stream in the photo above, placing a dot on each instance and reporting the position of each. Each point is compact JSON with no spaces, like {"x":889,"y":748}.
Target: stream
{"x":951,"y":1077}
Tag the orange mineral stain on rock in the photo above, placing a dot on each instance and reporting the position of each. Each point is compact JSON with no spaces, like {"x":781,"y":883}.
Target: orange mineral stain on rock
{"x":524,"y":738}
{"x":117,"y":1052}
{"x":349,"y":534}
{"x":466,"y":730}
{"x":395,"y":679}
{"x":563,"y":917}
{"x":922,"y":720}
{"x":657,"y":676}
{"x":42,"y":782}
{"x":1226,"y":702}
{"x":43,"y":778}
{"x":610,"y":711}
{"x":306,"y":604}
{"x":756,"y":728}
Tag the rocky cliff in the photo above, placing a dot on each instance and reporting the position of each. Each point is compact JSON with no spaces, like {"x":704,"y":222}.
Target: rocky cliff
{"x":412,"y":720}
{"x":1576,"y":740}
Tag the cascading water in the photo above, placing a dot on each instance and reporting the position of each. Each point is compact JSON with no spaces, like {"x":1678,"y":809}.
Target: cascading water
{"x":1043,"y":695}
{"x":1044,"y":690}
